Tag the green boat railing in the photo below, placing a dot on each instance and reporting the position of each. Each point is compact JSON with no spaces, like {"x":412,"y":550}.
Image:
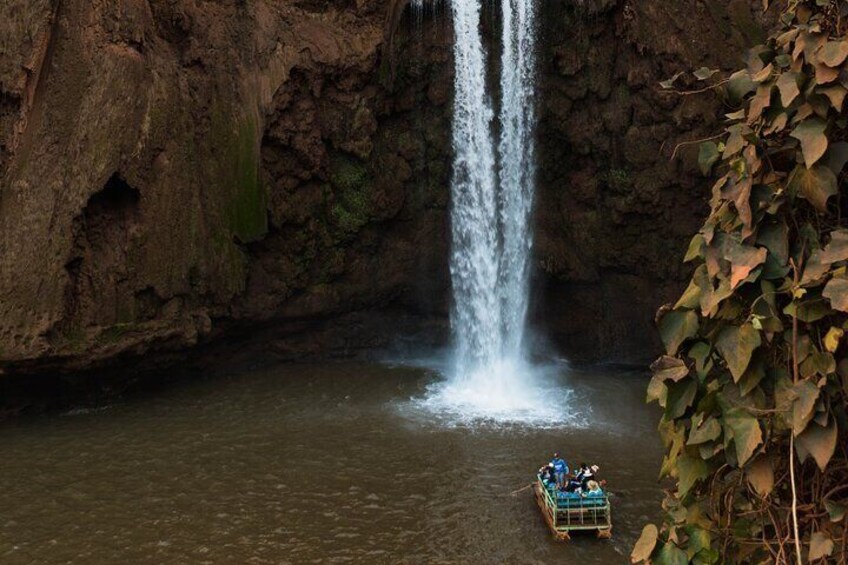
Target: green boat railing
{"x":572,"y":513}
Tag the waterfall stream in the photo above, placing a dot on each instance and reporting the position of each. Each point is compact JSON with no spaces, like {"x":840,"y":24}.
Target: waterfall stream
{"x":492,"y":196}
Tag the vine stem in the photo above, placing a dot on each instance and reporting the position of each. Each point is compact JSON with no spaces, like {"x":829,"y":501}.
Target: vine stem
{"x":795,"y":277}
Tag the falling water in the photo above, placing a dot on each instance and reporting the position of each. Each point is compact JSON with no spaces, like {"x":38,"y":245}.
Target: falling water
{"x":492,"y":197}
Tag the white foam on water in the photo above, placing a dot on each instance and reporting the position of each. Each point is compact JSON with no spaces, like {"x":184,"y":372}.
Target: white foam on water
{"x":508,"y":395}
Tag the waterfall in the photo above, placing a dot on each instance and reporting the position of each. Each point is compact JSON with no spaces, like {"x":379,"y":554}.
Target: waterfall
{"x":492,"y":189}
{"x":492,"y":196}
{"x":475,"y":256}
{"x":517,"y":167}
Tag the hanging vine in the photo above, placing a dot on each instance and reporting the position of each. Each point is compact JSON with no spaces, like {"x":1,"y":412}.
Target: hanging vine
{"x":754,"y":382}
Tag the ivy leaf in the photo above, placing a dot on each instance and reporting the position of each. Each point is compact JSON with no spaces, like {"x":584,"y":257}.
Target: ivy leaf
{"x":818,"y":441}
{"x":736,"y":345}
{"x":668,"y":84}
{"x":707,"y":157}
{"x":820,"y":546}
{"x":837,"y":248}
{"x":760,"y":475}
{"x":704,"y":73}
{"x":744,"y":259}
{"x":831,"y":340}
{"x":816,"y":184}
{"x":690,"y":470}
{"x":837,"y":292}
{"x":707,"y":431}
{"x":670,"y":554}
{"x":646,"y":544}
{"x":835,"y":510}
{"x":739,"y":86}
{"x":679,"y":398}
{"x":837,"y":156}
{"x":787,"y":84}
{"x":669,"y":369}
{"x":836,"y":95}
{"x":747,"y":435}
{"x":804,"y":406}
{"x":696,"y":248}
{"x":676,"y":327}
{"x":813,"y":140}
{"x":834,"y":53}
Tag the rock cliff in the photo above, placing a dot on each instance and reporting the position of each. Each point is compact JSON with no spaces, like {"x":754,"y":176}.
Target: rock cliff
{"x":174,"y":172}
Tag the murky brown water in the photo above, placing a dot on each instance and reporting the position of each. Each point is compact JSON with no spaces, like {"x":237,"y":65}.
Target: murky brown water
{"x":313,"y":464}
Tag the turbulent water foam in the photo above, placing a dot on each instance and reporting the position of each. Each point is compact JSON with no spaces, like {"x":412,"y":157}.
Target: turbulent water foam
{"x":508,"y":393}
{"x":492,"y":197}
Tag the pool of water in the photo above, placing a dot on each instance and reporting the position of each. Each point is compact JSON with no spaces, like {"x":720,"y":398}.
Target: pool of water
{"x":330,"y":463}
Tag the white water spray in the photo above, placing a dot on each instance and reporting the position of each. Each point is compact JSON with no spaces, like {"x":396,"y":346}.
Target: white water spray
{"x":492,"y":197}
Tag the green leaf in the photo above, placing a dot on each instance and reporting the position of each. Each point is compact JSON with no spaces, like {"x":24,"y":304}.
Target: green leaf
{"x":740,"y":85}
{"x":700,"y":353}
{"x":803,"y":408}
{"x":835,"y":510}
{"x":667,"y":84}
{"x":670,"y":554}
{"x":676,"y":327}
{"x":818,"y":441}
{"x":816,"y":184}
{"x":736,"y":345}
{"x":690,"y":470}
{"x":704,"y":73}
{"x":704,"y":432}
{"x":813,"y":140}
{"x":646,"y":544}
{"x":680,"y":397}
{"x":808,"y":310}
{"x":696,"y":248}
{"x":837,"y":156}
{"x":820,"y":546}
{"x":707,"y":157}
{"x":837,"y":292}
{"x":669,"y":369}
{"x":747,"y":435}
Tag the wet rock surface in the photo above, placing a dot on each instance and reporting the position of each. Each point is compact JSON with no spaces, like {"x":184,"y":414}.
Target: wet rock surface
{"x":175,"y":174}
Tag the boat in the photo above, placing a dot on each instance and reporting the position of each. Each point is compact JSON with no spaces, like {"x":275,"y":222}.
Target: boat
{"x":565,"y":513}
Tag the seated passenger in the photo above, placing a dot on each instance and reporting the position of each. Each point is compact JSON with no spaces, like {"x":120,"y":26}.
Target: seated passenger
{"x":588,"y":474}
{"x":573,"y":485}
{"x":593,"y":489}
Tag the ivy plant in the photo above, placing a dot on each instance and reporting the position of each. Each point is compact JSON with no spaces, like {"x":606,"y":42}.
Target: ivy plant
{"x":754,"y":380}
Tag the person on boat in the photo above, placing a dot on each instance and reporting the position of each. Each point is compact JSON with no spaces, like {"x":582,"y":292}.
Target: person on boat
{"x":546,"y":472}
{"x":593,"y":489}
{"x":587,"y":474}
{"x":573,"y":485}
{"x":560,"y":468}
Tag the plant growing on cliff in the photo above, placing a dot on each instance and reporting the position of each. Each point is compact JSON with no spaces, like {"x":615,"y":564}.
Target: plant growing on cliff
{"x":754,"y":383}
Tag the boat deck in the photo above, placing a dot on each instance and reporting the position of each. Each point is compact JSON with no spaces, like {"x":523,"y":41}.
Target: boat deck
{"x":565,"y":512}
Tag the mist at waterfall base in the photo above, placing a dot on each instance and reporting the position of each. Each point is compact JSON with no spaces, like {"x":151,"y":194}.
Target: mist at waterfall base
{"x":491,"y":377}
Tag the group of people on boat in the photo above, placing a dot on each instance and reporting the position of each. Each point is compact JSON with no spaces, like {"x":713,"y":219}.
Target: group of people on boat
{"x":582,"y":481}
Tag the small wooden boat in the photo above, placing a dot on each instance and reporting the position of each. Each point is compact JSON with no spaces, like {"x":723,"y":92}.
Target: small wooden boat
{"x":568,"y":512}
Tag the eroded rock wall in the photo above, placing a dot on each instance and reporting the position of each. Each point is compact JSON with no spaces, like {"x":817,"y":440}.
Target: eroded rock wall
{"x":615,"y":210}
{"x":177,"y":171}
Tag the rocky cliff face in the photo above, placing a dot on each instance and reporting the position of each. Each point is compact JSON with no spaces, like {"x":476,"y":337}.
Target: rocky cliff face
{"x":174,"y":171}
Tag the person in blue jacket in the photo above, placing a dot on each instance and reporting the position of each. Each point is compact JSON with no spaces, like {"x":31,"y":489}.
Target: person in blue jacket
{"x":560,"y":469}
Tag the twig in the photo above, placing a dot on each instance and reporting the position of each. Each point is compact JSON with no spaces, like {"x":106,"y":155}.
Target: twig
{"x":691,"y":142}
{"x":795,"y":277}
